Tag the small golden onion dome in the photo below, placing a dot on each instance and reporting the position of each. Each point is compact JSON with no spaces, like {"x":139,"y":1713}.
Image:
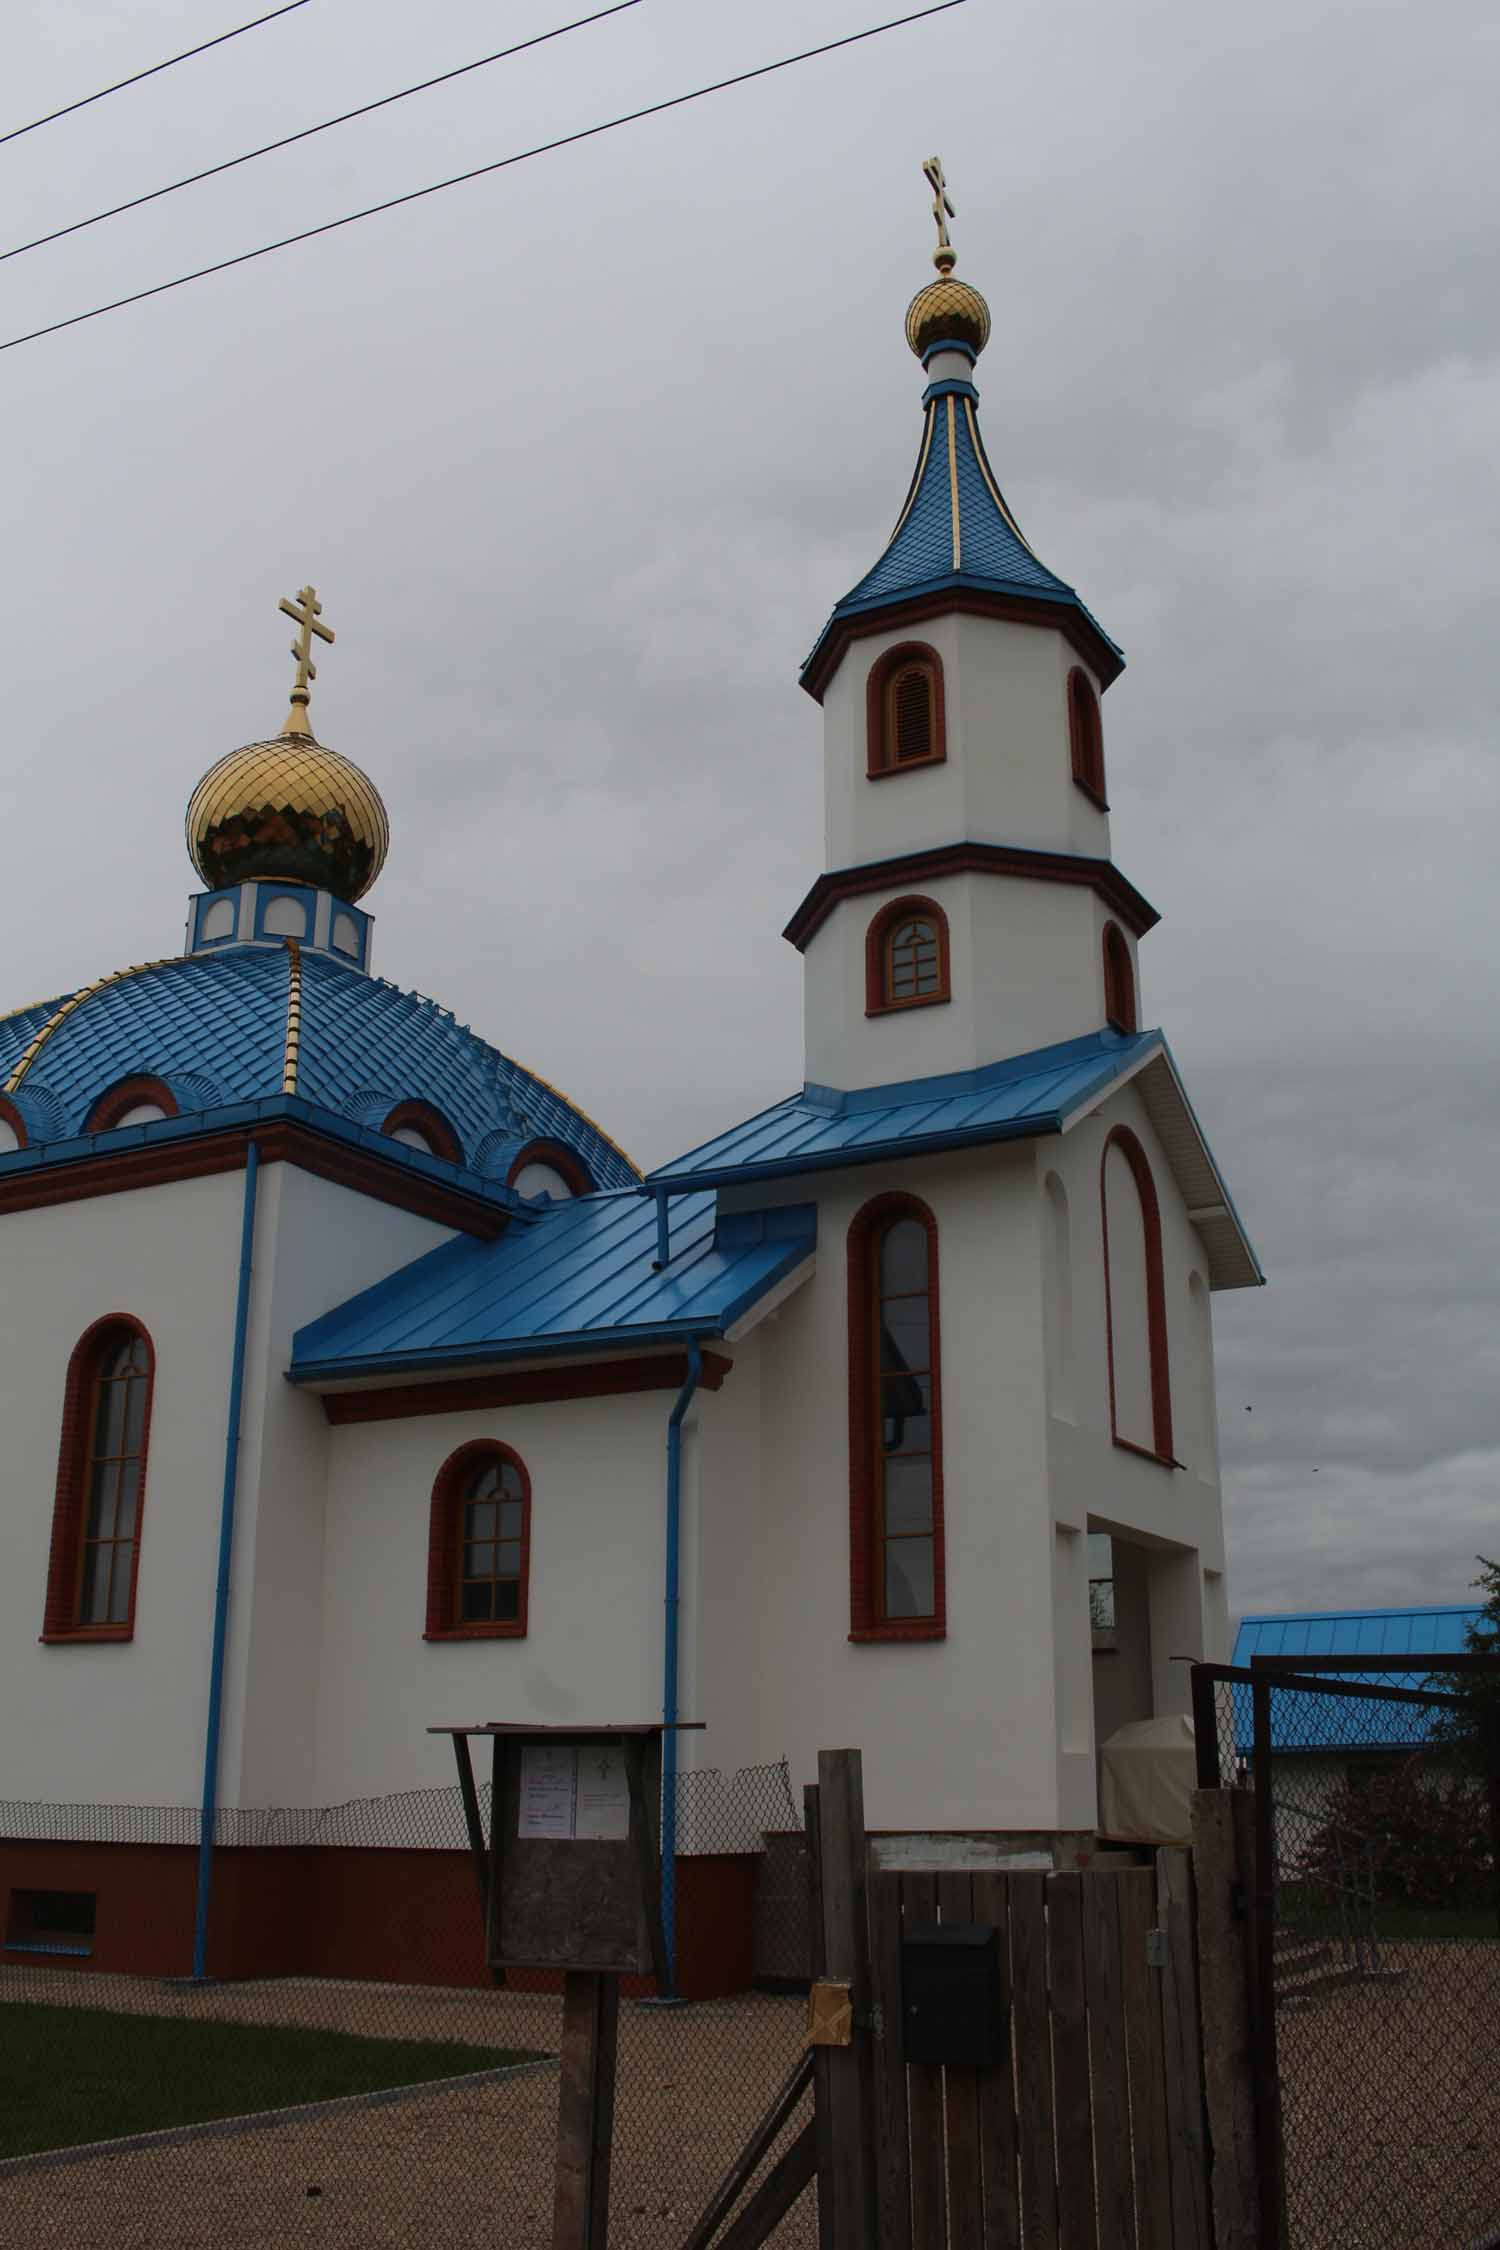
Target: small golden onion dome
{"x":947,"y":312}
{"x":292,"y":809}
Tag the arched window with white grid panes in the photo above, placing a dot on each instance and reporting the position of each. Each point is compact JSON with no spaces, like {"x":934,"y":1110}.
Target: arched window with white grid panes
{"x":479,"y":1545}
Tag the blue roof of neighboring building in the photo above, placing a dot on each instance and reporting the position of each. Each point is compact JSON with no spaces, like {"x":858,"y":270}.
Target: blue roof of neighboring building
{"x":579,"y":1275}
{"x":1310,"y":1723}
{"x":818,"y":1129}
{"x":215,"y":1027}
{"x":955,"y":529}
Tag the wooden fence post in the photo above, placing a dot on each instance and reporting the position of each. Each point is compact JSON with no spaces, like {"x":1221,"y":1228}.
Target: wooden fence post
{"x":1224,"y":1886}
{"x":585,"y":2110}
{"x":1192,"y":2223}
{"x":846,"y":1944}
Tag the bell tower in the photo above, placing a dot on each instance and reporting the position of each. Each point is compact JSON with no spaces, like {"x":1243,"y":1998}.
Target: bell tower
{"x":969,"y":909}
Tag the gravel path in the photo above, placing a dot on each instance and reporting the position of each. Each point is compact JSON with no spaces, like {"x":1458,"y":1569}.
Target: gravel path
{"x":468,"y":2169}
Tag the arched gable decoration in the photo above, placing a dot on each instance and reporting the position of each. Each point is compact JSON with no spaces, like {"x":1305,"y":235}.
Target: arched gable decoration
{"x":479,"y":1545}
{"x":94,"y":1560}
{"x":907,"y":957}
{"x":1086,"y":737}
{"x":114,"y":1106}
{"x":1135,"y":1299}
{"x":897,"y":1567}
{"x":557,"y":1157}
{"x":1119,"y":981}
{"x":410,"y":1119}
{"x":13,"y":1134}
{"x":905,"y":721}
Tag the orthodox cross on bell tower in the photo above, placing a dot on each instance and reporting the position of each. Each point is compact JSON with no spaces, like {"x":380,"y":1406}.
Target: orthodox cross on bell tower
{"x":944,"y":257}
{"x":304,"y":612}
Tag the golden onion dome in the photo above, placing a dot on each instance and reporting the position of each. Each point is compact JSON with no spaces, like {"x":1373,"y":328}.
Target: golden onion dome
{"x":947,"y":312}
{"x":289,"y":808}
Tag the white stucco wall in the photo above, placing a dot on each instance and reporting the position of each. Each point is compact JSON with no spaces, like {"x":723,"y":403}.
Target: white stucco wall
{"x":107,"y":1722}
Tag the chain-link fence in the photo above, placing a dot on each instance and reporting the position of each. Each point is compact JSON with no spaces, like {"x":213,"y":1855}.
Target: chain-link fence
{"x":350,"y":2073}
{"x":1378,"y":1882}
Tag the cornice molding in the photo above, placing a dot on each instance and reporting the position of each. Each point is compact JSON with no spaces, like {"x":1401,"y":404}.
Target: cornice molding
{"x":1101,"y":876}
{"x":973,"y":601}
{"x":531,"y":1386}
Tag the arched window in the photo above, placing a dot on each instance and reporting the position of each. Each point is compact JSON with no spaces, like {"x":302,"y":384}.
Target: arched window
{"x":133,"y":1101}
{"x":419,"y":1125}
{"x":1086,"y":737}
{"x":1119,"y":981}
{"x":101,"y":1482}
{"x":906,"y":957}
{"x":547,"y":1168}
{"x":12,"y":1127}
{"x":1140,"y":1389}
{"x":479,"y":1545}
{"x":904,"y":717}
{"x":896,"y":1564}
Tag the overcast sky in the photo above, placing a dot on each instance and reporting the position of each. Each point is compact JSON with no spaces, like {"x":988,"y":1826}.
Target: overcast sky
{"x":579,"y":457}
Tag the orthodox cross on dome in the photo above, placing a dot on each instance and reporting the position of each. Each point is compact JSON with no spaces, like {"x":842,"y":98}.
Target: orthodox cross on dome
{"x":944,"y":257}
{"x":304,"y":613}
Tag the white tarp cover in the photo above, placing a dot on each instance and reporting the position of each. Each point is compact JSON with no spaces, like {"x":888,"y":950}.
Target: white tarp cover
{"x":1147,"y":1773}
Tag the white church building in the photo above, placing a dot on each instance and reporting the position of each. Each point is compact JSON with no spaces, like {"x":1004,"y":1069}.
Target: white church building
{"x":355,"y":1382}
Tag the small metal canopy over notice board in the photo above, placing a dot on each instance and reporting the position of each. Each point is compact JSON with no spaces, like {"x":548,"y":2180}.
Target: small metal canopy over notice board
{"x":570,"y":1878}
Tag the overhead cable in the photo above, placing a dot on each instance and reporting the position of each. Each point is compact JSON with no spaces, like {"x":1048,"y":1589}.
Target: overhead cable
{"x":500,"y":164}
{"x":308,"y":132}
{"x":121,"y":83}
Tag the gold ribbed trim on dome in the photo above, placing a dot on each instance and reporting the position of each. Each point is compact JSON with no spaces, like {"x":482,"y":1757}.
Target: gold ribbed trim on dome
{"x":947,"y":311}
{"x":290,"y":770}
{"x":291,"y":1053}
{"x":55,"y":1021}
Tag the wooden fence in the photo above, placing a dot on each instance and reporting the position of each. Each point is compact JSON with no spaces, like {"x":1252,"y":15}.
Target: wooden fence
{"x":1090,"y":2135}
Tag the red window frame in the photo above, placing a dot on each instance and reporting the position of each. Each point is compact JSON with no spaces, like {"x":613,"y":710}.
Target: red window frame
{"x":881,"y":760}
{"x":112,"y":1105}
{"x":867,"y":1621}
{"x":880,"y":997}
{"x":1086,"y":737}
{"x":445,"y":1539}
{"x":13,"y":1118}
{"x":1119,"y":981}
{"x":61,"y":1619}
{"x":566,"y":1162}
{"x":441,"y":1137}
{"x":1161,"y":1448}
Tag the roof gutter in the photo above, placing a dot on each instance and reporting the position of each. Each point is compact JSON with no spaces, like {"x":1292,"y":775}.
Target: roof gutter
{"x":208,"y":1817}
{"x":683,"y":1401}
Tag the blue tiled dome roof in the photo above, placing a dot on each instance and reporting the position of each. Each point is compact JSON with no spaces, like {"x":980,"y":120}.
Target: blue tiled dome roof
{"x":215,"y":1028}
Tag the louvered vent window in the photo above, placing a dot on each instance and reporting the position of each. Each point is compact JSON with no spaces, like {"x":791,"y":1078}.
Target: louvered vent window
{"x":911,"y":714}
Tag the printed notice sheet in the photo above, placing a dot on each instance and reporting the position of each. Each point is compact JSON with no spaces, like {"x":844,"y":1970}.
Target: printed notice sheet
{"x":549,"y":1785}
{"x":602,"y":1805}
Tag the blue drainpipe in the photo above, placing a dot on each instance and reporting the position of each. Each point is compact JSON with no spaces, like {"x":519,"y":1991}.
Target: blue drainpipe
{"x":210,"y":1809}
{"x":669,"y":1683}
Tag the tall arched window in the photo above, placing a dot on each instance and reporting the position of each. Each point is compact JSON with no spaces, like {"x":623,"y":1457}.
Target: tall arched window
{"x":101,"y":1483}
{"x":906,"y":957}
{"x":1119,"y":981}
{"x":479,"y":1545}
{"x":897,"y":1573}
{"x":1086,"y":737}
{"x":905,"y":721}
{"x":1140,"y":1389}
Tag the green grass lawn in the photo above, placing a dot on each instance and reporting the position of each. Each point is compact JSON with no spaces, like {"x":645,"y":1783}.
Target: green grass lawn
{"x":87,"y":2074}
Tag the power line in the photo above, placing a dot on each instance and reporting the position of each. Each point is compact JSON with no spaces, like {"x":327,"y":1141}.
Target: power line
{"x":309,"y":131}
{"x":500,"y":164}
{"x":121,"y":83}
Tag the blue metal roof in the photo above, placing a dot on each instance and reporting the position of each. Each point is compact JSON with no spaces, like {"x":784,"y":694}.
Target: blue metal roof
{"x":214,"y":1026}
{"x":1311,"y":1723}
{"x":819,"y":1129}
{"x":955,"y":530}
{"x":581,"y":1274}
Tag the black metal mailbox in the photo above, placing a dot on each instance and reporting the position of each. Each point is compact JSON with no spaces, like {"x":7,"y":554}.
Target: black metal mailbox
{"x":951,"y":2009}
